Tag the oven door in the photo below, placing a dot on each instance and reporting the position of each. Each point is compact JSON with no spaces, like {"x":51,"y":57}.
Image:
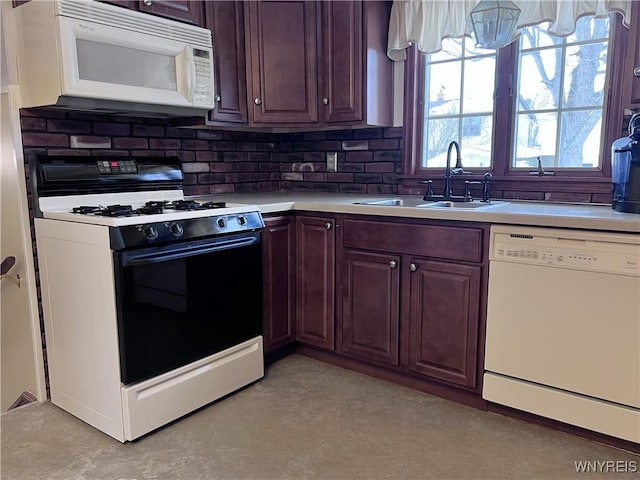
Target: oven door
{"x":184,"y":301}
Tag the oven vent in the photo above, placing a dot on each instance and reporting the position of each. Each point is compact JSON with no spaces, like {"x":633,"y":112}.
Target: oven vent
{"x":521,"y":235}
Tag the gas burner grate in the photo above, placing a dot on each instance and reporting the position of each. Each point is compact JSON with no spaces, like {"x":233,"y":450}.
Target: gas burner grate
{"x":149,"y":210}
{"x":214,"y":205}
{"x":116,"y":211}
{"x":85,"y":209}
{"x":153,"y":207}
{"x":184,"y":205}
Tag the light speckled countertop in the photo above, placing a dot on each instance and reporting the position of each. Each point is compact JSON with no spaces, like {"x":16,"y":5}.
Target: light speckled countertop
{"x":591,"y":217}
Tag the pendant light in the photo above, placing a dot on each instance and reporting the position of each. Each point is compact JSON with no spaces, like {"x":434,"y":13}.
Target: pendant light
{"x":492,"y":23}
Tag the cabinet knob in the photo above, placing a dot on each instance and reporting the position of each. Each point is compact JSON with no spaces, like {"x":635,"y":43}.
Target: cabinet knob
{"x":636,"y":72}
{"x":257,"y":101}
{"x":413,"y":267}
{"x":218,"y":98}
{"x":325,"y":101}
{"x":147,"y":2}
{"x":327,"y":225}
{"x":393,"y":264}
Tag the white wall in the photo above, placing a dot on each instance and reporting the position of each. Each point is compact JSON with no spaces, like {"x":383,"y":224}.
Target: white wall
{"x":22,"y":366}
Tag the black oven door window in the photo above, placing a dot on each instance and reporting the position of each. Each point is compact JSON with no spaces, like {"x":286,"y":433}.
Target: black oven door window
{"x":182,"y":302}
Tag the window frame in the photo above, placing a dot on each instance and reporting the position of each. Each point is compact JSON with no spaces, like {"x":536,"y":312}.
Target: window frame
{"x":570,"y":180}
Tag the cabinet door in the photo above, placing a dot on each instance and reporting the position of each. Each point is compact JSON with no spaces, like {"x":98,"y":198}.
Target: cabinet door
{"x":342,"y":82}
{"x":369,"y":286}
{"x":634,"y":45}
{"x":278,"y":275}
{"x":189,"y":11}
{"x":282,"y":55}
{"x":315,"y":261}
{"x":226,"y":22}
{"x":444,"y":316}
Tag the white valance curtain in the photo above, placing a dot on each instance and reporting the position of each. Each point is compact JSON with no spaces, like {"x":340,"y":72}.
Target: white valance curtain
{"x":426,"y":22}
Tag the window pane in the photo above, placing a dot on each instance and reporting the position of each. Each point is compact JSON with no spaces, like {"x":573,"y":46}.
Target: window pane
{"x":443,"y":85}
{"x":458,"y":106}
{"x":478,"y":95}
{"x":439,"y":133}
{"x":539,"y":75}
{"x":584,"y":75}
{"x":476,"y":132}
{"x":590,"y":28}
{"x":535,"y":137}
{"x":580,"y":139}
{"x":560,"y":97}
{"x":537,"y":36}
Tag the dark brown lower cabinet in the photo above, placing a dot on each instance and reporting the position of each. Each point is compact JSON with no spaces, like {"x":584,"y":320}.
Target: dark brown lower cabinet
{"x":411,"y":297}
{"x":444,"y":318}
{"x":315,"y":280}
{"x":370,"y":288}
{"x":278,"y":260}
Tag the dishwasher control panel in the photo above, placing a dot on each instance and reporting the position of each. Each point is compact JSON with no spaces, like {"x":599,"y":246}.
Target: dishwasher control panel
{"x":609,"y":253}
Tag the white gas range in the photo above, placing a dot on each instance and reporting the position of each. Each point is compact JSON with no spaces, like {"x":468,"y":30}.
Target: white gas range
{"x":152,"y":302}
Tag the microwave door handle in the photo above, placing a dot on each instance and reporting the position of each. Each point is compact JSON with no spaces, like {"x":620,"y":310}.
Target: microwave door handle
{"x":189,"y":67}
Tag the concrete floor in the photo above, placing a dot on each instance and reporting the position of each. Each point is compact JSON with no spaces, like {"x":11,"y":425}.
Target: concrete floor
{"x":305,"y":419}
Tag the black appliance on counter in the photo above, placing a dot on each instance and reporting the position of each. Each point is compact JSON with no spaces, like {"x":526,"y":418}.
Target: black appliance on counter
{"x":625,"y":169}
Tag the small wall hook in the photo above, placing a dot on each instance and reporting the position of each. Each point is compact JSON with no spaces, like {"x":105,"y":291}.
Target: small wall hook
{"x":7,"y":264}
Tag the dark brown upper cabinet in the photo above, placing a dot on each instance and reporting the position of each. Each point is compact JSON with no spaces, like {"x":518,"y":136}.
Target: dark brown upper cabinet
{"x":318,"y":63}
{"x":225,"y":19}
{"x":282,"y":62}
{"x":632,"y":68}
{"x":356,"y":74}
{"x":189,"y":11}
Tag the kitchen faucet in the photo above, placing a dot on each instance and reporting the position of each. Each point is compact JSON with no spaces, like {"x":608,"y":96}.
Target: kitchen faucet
{"x":447,"y":194}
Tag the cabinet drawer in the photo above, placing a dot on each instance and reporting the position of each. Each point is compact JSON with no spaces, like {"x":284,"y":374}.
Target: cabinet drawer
{"x":455,"y":243}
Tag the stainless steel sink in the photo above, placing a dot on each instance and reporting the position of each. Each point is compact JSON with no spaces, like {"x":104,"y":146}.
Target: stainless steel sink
{"x":462,"y":205}
{"x":419,"y":203}
{"x":387,"y":202}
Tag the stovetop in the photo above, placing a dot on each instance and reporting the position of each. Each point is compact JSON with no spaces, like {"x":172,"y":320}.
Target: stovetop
{"x":135,"y":208}
{"x":152,"y":207}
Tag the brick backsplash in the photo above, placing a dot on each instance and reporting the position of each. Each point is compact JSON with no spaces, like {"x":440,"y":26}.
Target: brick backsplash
{"x":221,"y":161}
{"x":216,"y":161}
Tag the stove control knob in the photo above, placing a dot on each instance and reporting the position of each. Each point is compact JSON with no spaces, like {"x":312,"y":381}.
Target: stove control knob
{"x":176,"y":229}
{"x":150,"y":233}
{"x":222,"y":223}
{"x":242,"y":220}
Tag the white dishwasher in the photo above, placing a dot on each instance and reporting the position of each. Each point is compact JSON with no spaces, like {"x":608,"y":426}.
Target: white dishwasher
{"x":563,"y":327}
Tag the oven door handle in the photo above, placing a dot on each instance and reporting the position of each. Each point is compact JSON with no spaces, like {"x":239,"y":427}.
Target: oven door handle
{"x":183,"y":251}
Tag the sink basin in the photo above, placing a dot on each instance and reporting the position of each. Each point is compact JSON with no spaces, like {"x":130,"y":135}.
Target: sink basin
{"x":387,"y":202}
{"x":417,"y":203}
{"x":461,"y":205}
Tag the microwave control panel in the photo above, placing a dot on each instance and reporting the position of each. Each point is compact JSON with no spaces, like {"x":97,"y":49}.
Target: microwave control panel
{"x":203,"y":92}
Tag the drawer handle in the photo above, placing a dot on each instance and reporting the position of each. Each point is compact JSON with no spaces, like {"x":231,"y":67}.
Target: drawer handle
{"x":413,"y":267}
{"x":636,"y":72}
{"x":327,"y":226}
{"x":393,"y":264}
{"x":257,"y":101}
{"x":147,"y":2}
{"x":325,"y":101}
{"x":218,"y":98}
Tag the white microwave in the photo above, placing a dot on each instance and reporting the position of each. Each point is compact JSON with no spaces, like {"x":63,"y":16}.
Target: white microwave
{"x":94,"y":56}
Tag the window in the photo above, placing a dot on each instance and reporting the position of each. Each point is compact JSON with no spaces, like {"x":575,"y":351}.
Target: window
{"x":559,"y":96}
{"x":540,"y":98}
{"x":458,"y":106}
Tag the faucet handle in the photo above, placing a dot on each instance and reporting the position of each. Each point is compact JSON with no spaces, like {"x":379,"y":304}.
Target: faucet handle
{"x":467,"y":191}
{"x":429,"y":192}
{"x":486,"y":178}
